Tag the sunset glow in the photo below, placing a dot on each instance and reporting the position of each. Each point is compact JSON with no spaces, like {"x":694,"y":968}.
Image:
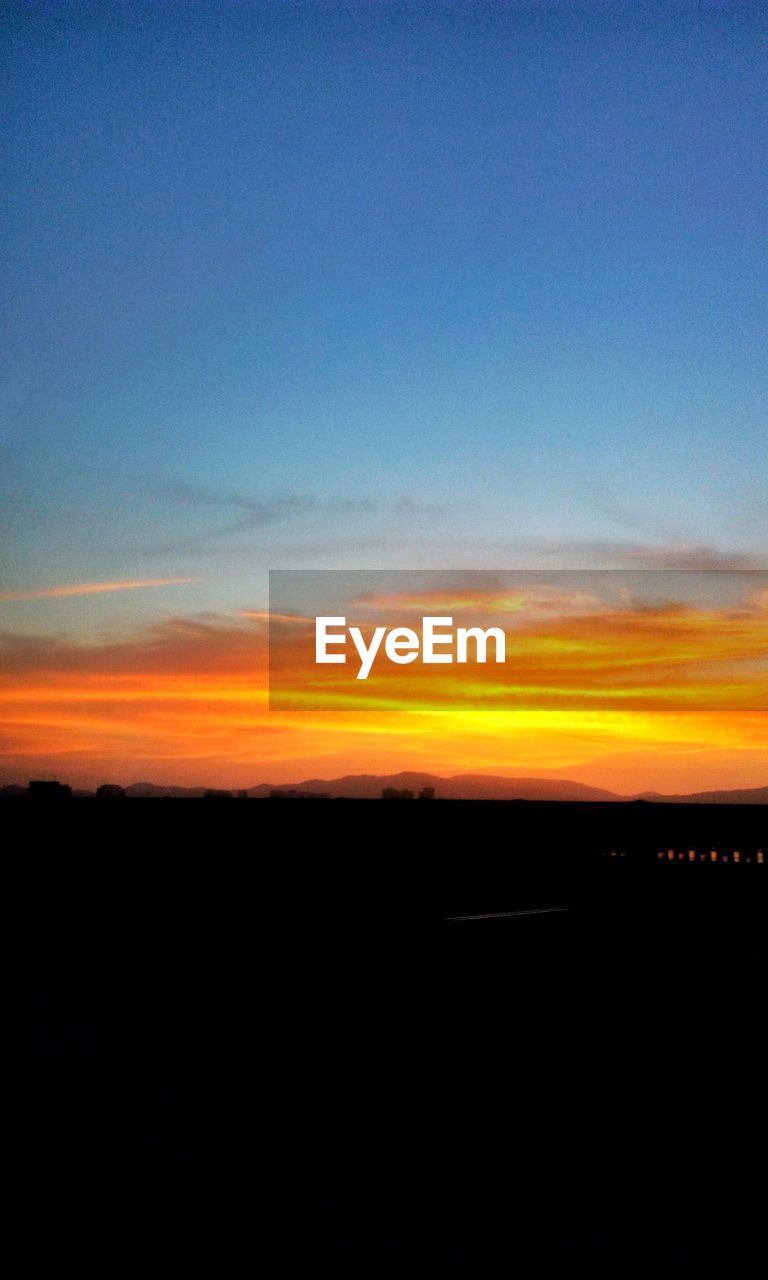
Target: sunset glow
{"x":627,"y":696}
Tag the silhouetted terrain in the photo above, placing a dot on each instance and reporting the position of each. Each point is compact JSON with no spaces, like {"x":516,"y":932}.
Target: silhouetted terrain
{"x":741,"y":795}
{"x":247,"y":1037}
{"x":463,"y":786}
{"x":467,"y":786}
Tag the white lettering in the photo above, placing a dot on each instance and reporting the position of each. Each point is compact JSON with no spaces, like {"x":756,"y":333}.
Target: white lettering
{"x":322,"y":639}
{"x":402,"y":645}
{"x":431,"y":639}
{"x":367,"y":654}
{"x":480,"y":638}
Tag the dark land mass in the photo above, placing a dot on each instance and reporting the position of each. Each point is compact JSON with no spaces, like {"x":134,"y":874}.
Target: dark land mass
{"x":253,"y":1038}
{"x":463,"y":786}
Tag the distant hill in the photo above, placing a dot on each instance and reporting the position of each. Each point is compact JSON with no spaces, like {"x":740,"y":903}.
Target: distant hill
{"x":149,"y":790}
{"x":464,"y":786}
{"x":475,"y":786}
{"x":744,"y":795}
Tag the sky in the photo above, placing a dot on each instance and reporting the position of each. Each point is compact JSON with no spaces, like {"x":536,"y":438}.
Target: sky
{"x":365,"y":285}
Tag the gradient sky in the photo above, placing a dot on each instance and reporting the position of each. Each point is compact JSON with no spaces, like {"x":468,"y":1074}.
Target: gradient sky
{"x":374,"y":285}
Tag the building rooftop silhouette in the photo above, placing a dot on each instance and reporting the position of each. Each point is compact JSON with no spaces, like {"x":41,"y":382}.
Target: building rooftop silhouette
{"x":48,"y":790}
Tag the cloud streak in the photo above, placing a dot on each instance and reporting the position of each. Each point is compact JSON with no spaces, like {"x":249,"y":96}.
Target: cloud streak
{"x":250,"y":513}
{"x":604,"y":553}
{"x":90,"y":589}
{"x":664,"y":685}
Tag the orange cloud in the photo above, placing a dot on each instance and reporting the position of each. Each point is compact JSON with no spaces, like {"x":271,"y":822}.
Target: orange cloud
{"x":623,"y":692}
{"x":541,"y":598}
{"x":90,"y":589}
{"x":264,"y":615}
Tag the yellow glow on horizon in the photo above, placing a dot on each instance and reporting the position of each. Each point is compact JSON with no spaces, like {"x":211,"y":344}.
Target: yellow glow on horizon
{"x":614,"y":696}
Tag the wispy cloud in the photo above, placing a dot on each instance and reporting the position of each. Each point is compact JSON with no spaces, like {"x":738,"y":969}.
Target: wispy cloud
{"x":569,"y":553}
{"x":249,"y":512}
{"x":187,"y":700}
{"x":537,"y":600}
{"x":246,"y":513}
{"x":685,"y":555}
{"x":404,"y":551}
{"x":90,"y":589}
{"x":267,"y":616}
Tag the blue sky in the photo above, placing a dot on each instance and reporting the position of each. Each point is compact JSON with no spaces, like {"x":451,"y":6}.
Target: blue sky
{"x":377,"y":285}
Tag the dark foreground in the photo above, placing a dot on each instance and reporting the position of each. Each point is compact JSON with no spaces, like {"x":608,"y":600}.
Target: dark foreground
{"x":244,"y":1036}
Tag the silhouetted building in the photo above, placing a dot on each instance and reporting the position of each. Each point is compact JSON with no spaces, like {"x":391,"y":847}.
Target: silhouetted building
{"x":110,"y":791}
{"x":217,"y":795}
{"x":427,"y":793}
{"x":242,"y":795}
{"x":49,"y":791}
{"x":392,"y":793}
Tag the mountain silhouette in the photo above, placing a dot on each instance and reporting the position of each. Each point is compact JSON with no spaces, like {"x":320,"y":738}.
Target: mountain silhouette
{"x":461,"y":786}
{"x":741,"y":795}
{"x":464,"y":786}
